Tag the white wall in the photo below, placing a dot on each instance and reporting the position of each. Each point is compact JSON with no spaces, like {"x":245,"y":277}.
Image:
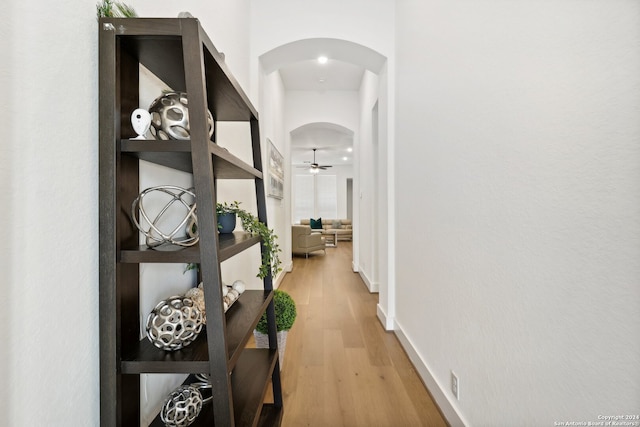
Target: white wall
{"x":518,"y":205}
{"x":342,"y":173}
{"x":49,"y":252}
{"x":338,"y":107}
{"x":369,"y":191}
{"x":48,"y":167}
{"x":386,"y":199}
{"x":10,"y":152}
{"x":272,"y":127}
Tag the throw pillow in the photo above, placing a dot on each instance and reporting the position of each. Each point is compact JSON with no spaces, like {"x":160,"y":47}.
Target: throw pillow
{"x":336,"y":225}
{"x":315,"y":223}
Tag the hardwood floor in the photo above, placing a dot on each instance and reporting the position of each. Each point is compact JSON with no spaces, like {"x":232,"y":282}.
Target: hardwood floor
{"x":340,"y":367}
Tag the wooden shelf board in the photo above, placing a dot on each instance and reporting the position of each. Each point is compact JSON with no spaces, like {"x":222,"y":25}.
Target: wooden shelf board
{"x":242,"y":322}
{"x":270,"y":416}
{"x":143,"y":254}
{"x":233,"y":243}
{"x":226,"y":165}
{"x":241,"y":319}
{"x":230,"y":244}
{"x":177,"y":155}
{"x":249,"y":382}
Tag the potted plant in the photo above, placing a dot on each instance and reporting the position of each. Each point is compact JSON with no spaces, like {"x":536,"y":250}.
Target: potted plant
{"x":226,"y":213}
{"x":111,"y":9}
{"x":285,"y":309}
{"x":270,"y":258}
{"x":251,"y":224}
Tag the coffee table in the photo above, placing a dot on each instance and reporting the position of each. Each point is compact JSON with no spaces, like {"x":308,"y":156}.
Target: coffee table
{"x":330,"y":239}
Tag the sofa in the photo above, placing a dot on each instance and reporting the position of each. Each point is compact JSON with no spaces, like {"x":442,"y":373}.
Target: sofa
{"x":303,"y":241}
{"x":342,"y":227}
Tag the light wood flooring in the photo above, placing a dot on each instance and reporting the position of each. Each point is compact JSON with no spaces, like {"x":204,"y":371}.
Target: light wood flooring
{"x":340,"y":367}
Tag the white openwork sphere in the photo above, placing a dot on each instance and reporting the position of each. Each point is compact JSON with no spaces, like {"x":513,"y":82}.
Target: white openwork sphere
{"x":174,"y":323}
{"x":182,"y":406}
{"x":170,"y":117}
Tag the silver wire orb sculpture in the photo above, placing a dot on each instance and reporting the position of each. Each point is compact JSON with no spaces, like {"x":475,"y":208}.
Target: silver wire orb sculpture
{"x":204,"y":384}
{"x":164,"y":228}
{"x":182,"y":406}
{"x":170,"y":117}
{"x":174,"y":323}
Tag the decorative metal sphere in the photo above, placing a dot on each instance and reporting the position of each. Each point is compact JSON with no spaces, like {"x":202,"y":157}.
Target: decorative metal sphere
{"x":182,"y":406}
{"x":170,"y":117}
{"x":204,"y":387}
{"x":192,"y":227}
{"x":164,"y":228}
{"x":174,"y":323}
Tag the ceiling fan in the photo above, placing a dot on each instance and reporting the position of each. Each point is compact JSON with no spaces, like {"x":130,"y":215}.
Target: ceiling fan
{"x":315,"y":167}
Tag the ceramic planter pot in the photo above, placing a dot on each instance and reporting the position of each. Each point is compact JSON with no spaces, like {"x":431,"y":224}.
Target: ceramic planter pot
{"x":227,"y":223}
{"x":262,"y":341}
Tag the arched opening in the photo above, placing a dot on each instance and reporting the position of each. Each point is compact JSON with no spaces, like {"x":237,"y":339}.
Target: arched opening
{"x":342,"y":105}
{"x":321,"y":190}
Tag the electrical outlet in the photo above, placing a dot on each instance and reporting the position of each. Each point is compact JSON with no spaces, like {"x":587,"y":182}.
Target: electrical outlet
{"x":455,"y":385}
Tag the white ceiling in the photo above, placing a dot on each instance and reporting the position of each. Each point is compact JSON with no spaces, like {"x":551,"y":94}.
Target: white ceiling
{"x":310,"y":75}
{"x":333,"y":143}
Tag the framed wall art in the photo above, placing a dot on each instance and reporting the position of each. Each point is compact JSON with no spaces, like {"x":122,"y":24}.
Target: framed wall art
{"x":276,"y":172}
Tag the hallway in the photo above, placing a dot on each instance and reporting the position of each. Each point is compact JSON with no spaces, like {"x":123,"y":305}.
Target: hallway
{"x":340,"y":367}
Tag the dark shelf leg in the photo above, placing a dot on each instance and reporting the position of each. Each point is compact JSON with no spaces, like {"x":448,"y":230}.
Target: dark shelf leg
{"x":268,"y":281}
{"x":203,"y":178}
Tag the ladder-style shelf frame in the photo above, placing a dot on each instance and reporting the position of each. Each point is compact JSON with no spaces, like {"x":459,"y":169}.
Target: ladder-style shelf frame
{"x":179,"y":52}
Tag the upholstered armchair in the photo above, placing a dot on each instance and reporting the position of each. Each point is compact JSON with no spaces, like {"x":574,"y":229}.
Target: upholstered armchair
{"x":303,"y":242}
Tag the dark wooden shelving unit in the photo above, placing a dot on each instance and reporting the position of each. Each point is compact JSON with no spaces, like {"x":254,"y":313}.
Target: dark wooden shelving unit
{"x":180,"y":54}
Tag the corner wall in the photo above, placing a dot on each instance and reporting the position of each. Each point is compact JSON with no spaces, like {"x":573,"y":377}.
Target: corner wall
{"x":518,"y":205}
{"x":369,"y":192}
{"x":272,"y":104}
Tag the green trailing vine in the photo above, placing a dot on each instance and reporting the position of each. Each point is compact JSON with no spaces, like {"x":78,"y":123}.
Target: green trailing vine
{"x":251,"y":224}
{"x":227,"y":208}
{"x":270,"y":254}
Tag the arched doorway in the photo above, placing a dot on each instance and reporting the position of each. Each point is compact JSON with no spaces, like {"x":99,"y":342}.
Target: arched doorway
{"x":295,"y":97}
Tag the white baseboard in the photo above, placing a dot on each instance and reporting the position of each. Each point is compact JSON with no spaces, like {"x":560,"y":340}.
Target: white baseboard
{"x":387,"y":322}
{"x":438,"y":391}
{"x":287,"y":269}
{"x":373,"y":287}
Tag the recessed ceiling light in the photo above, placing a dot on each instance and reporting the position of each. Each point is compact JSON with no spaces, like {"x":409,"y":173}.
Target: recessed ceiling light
{"x":349,"y":149}
{"x":345,"y":159}
{"x":322,"y":59}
